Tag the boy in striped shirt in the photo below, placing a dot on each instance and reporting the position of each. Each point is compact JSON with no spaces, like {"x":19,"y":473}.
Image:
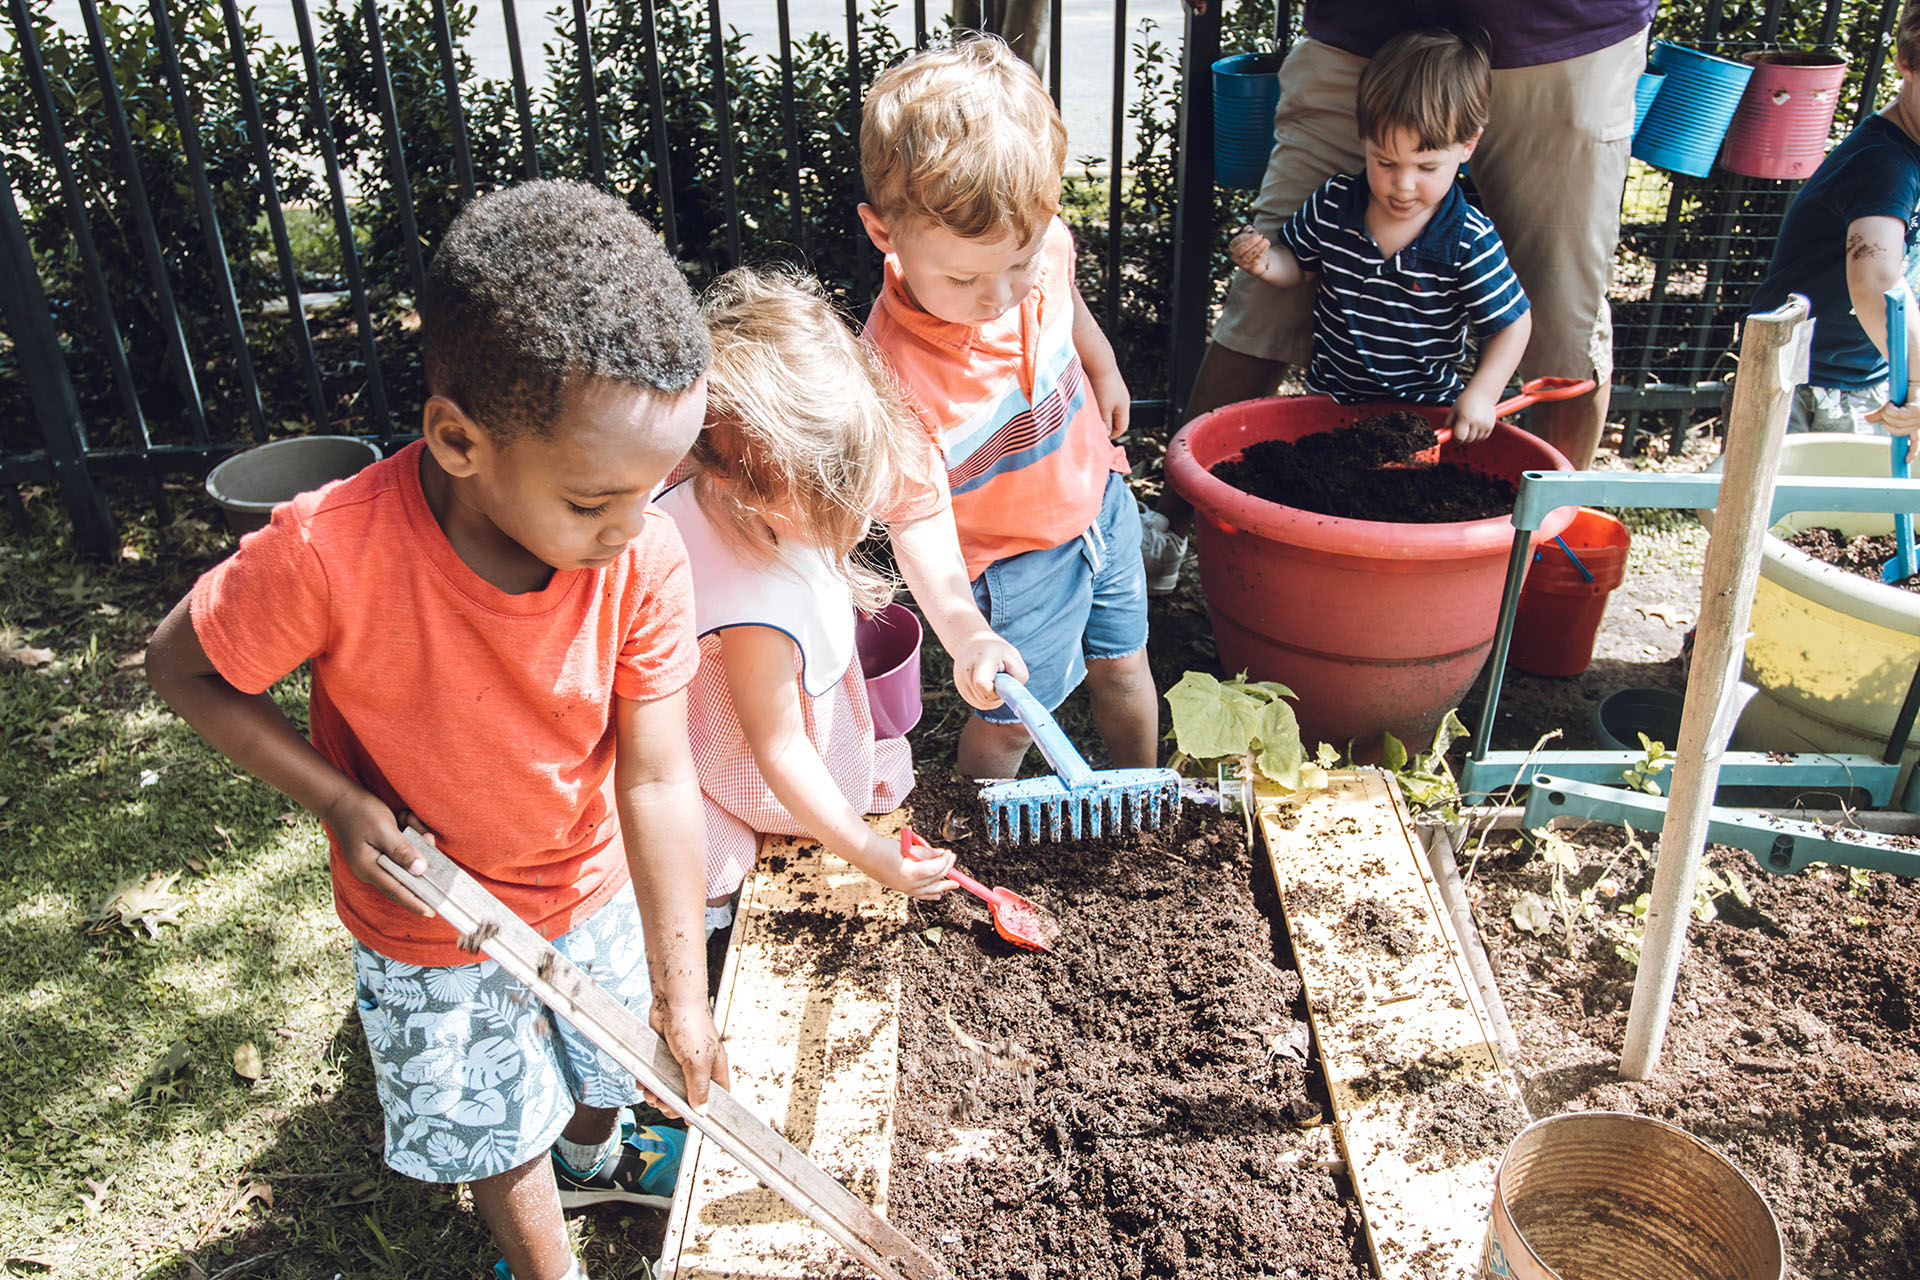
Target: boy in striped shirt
{"x":1405,"y":265}
{"x":980,"y":322}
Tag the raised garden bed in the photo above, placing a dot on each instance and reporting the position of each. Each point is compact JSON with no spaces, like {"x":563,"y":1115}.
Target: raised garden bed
{"x":1793,"y":1047}
{"x":1138,"y":1103}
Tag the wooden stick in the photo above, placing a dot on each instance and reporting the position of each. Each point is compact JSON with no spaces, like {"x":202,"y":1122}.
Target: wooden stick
{"x":1773,"y":360}
{"x":486,"y":925}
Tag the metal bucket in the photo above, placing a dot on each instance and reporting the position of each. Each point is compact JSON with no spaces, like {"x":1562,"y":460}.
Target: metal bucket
{"x":250,"y":484}
{"x":1605,"y":1195}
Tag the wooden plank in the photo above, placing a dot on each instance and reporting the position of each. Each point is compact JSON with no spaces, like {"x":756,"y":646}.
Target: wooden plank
{"x":487,"y":926}
{"x":1421,"y":1101}
{"x":816,"y":1053}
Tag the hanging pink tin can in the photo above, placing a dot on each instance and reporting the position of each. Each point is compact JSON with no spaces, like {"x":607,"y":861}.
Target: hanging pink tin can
{"x":1781,"y":127}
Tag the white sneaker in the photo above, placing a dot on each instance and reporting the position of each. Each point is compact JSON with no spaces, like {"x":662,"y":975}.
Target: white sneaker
{"x":1163,"y":550}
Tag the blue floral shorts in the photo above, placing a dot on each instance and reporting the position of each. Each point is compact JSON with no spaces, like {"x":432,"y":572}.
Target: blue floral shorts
{"x":475,"y":1075}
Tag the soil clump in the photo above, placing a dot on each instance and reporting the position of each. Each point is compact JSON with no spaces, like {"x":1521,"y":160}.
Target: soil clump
{"x":1367,"y":471}
{"x":1861,"y":556}
{"x":1132,"y":1104}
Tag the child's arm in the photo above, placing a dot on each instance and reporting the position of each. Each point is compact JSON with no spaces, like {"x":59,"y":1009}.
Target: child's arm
{"x":1876,"y":251}
{"x":1103,"y":371}
{"x":1265,"y":260}
{"x":1472,"y":414}
{"x":928,"y":553}
{"x":250,"y":730}
{"x":657,"y":793}
{"x":759,"y":665}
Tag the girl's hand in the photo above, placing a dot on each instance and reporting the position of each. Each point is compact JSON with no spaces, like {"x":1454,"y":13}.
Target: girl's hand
{"x":975,"y":666}
{"x":924,"y":877}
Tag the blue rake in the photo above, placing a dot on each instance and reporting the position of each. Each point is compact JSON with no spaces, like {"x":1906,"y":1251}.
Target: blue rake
{"x":1077,"y":801}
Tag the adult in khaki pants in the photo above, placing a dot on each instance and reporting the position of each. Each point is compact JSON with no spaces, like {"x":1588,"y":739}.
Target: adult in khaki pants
{"x":1549,"y":170}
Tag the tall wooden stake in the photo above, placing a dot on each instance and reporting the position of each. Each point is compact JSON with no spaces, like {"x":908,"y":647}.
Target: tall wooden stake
{"x":1773,"y":360}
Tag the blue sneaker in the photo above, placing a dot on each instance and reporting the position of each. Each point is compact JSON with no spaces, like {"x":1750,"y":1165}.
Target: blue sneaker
{"x":642,"y":1169}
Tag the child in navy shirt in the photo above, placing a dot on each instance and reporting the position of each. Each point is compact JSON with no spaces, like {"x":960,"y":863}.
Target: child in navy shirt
{"x":1405,"y":265}
{"x":1847,"y":238}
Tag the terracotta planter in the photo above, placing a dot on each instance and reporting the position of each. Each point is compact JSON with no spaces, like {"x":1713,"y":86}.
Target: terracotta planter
{"x":1781,"y":127}
{"x":1375,"y":625}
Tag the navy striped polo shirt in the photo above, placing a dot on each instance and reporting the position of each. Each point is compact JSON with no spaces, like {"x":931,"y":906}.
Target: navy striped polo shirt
{"x":1396,"y":328}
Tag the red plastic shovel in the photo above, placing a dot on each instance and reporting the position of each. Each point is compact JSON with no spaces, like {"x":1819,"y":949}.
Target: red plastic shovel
{"x":1020,"y":922}
{"x":1532,"y":392}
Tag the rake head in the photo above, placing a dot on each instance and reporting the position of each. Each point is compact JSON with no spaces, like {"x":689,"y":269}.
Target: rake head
{"x":1035,"y":810}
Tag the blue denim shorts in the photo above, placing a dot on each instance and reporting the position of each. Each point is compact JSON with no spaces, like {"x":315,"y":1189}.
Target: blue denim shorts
{"x":475,"y":1075}
{"x":1060,"y":607}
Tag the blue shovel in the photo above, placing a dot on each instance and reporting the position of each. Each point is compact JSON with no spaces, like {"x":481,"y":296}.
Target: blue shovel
{"x":1901,"y":567}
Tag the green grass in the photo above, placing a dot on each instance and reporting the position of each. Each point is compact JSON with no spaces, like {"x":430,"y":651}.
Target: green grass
{"x":109,"y":1165}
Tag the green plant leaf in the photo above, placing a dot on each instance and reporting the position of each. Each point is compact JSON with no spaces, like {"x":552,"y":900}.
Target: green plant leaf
{"x":1393,"y":755}
{"x":1211,"y":719}
{"x":1280,"y":755}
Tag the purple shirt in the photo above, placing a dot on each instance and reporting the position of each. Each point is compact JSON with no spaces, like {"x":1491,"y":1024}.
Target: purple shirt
{"x":1524,"y":33}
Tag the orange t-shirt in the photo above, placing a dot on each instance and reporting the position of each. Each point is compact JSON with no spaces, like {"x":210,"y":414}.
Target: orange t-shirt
{"x":489,"y":715}
{"x":1026,"y":450}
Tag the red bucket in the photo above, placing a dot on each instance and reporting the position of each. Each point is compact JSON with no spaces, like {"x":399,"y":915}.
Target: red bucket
{"x":1560,"y":607}
{"x":1781,"y":127}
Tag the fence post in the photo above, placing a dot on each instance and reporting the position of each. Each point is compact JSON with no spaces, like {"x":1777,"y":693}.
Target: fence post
{"x":50,"y":385}
{"x":1193,"y":205}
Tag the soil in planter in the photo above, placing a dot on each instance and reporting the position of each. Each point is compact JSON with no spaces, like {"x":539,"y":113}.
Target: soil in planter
{"x":1137,"y":1103}
{"x":1794,"y":1045}
{"x":1861,"y":556}
{"x":1363,"y":472}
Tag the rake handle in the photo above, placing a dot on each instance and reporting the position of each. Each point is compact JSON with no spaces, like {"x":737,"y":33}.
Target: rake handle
{"x":909,"y":838}
{"x":1068,"y":763}
{"x":1897,"y":388}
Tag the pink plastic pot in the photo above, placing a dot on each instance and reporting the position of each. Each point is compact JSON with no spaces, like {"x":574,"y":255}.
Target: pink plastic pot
{"x":1781,"y":126}
{"x":889,"y":648}
{"x":1375,"y":625}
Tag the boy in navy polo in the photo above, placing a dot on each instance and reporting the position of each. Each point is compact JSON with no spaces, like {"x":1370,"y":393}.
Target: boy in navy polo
{"x":1405,"y":265}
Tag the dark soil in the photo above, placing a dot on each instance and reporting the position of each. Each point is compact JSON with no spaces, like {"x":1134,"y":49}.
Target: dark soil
{"x":1141,"y":1089}
{"x":1794,"y":1045}
{"x":1861,"y":556}
{"x":1366,"y":472}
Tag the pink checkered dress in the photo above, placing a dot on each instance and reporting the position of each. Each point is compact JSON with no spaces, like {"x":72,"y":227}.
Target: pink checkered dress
{"x":794,"y":596}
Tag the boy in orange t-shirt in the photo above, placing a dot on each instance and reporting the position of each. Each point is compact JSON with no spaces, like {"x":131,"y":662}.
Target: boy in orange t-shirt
{"x":979,"y":319}
{"x":501,"y":633}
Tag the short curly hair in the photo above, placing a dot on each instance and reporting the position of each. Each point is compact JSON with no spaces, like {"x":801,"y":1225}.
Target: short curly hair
{"x":964,"y":139}
{"x":538,"y":287}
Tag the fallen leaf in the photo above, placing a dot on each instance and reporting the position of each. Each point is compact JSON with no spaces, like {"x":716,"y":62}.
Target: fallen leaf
{"x":195,"y":865}
{"x":134,"y":904}
{"x":94,"y":1199}
{"x":255,"y":1191}
{"x":128,"y":660}
{"x":1666,"y":615}
{"x":247,"y":1065}
{"x":194,"y":1270}
{"x":28,"y":656}
{"x":1532,"y":913}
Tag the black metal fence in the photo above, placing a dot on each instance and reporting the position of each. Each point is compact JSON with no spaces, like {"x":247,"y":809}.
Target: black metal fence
{"x":208,"y":239}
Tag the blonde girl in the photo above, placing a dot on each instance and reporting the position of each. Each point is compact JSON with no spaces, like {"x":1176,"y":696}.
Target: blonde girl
{"x":807,"y":446}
